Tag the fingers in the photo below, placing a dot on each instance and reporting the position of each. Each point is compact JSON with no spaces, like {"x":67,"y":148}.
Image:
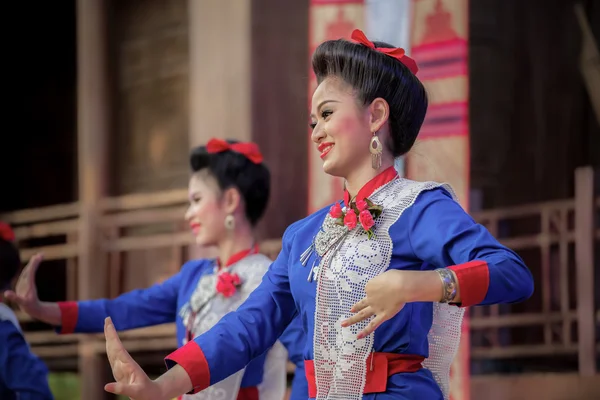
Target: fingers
{"x":114,"y":348}
{"x":12,"y":296}
{"x":113,"y":387}
{"x":32,"y":266}
{"x":374,"y":324}
{"x":119,"y":388}
{"x":360,"y":316}
{"x":27,"y":276}
{"x":360,"y":305}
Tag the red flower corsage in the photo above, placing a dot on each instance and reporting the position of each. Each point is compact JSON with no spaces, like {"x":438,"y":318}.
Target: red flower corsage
{"x":6,"y":232}
{"x":227,"y":283}
{"x":363,"y":211}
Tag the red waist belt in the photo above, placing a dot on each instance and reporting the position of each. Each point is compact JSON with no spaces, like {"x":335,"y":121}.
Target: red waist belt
{"x":379,"y":367}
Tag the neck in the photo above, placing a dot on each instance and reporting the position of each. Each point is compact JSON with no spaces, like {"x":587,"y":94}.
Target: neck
{"x":360,"y":177}
{"x":242,"y":238}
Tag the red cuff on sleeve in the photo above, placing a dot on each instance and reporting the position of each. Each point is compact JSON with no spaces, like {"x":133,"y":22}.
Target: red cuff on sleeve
{"x":192,"y":360}
{"x":69,"y":312}
{"x":473,"y":281}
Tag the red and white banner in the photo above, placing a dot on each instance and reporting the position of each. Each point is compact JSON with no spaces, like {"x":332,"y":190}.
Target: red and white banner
{"x":440,"y":47}
{"x":329,"y":19}
{"x":390,"y":21}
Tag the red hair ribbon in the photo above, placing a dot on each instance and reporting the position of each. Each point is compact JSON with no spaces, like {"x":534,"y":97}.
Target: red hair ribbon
{"x":398,"y":53}
{"x":6,"y":232}
{"x":249,"y":150}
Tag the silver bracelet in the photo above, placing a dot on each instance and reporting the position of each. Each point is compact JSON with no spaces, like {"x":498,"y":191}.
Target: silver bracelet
{"x":449,"y":285}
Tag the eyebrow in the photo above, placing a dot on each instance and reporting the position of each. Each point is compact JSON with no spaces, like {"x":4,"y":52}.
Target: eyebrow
{"x":322,"y":104}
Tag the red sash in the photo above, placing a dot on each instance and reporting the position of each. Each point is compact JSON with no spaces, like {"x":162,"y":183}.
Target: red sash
{"x":379,"y":367}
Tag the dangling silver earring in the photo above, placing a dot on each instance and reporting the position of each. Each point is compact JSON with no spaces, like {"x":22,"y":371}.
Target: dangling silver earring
{"x":230,"y":222}
{"x":376,"y":149}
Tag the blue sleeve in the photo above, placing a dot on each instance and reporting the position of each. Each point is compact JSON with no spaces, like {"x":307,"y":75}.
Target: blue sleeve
{"x":21,"y":372}
{"x":245,"y":333}
{"x":299,"y":385}
{"x":139,"y":308}
{"x":294,"y":339}
{"x":442,"y":234}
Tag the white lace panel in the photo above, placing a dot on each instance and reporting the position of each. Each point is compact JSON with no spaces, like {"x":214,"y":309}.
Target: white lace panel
{"x":444,"y":338}
{"x":339,"y":358}
{"x":211,"y":307}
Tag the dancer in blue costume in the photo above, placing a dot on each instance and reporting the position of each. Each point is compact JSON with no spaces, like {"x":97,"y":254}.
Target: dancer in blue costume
{"x":379,"y":279}
{"x":23,"y":376}
{"x":229,"y":190}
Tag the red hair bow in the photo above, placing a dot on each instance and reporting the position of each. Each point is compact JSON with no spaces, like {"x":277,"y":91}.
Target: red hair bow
{"x":249,"y":150}
{"x":398,"y":53}
{"x":6,"y":232}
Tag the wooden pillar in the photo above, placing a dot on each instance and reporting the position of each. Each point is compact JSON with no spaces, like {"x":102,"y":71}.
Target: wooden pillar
{"x":92,"y":126}
{"x":219,"y":74}
{"x":248,"y":82}
{"x":219,"y":69}
{"x":584,"y":259}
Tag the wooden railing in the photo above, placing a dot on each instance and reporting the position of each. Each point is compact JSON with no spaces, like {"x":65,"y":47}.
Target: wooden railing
{"x":545,"y":235}
{"x":553,"y":239}
{"x":129,"y":224}
{"x":557,"y":314}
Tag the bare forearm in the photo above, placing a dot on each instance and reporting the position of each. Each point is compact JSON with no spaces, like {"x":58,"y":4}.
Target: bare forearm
{"x":175,"y":382}
{"x":47,"y":312}
{"x":427,"y":287}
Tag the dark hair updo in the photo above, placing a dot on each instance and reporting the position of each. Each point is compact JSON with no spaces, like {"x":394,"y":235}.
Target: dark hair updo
{"x":373,"y":74}
{"x":10,"y":261}
{"x":232,"y":169}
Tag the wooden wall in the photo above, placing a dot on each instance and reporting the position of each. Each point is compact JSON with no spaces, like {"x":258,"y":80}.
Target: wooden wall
{"x":149,"y":47}
{"x":530,"y":115}
{"x":278,"y":106}
{"x":173,"y":88}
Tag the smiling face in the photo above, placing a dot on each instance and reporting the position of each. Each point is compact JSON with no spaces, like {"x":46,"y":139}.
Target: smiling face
{"x":207,"y":211}
{"x":341,"y":128}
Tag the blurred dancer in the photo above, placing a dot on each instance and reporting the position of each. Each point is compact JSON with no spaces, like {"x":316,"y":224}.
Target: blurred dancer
{"x":228,"y":195}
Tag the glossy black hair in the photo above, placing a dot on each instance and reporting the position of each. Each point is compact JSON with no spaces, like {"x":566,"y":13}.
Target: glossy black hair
{"x":372,"y":75}
{"x":232,"y":169}
{"x":10,"y":263}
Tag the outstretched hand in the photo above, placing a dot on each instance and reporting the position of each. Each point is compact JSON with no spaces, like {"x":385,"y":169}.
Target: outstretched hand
{"x":130,"y":379}
{"x":25,"y":293}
